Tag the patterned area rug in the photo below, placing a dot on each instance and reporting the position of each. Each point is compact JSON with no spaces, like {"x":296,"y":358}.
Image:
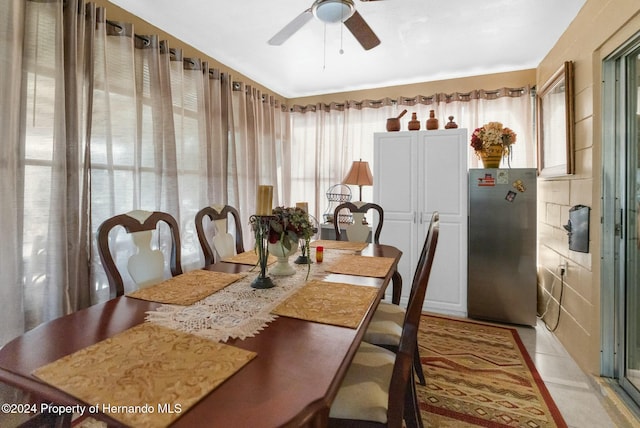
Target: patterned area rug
{"x":480,"y":375}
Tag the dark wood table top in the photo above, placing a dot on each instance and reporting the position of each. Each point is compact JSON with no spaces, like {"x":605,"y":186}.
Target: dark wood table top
{"x":292,"y":381}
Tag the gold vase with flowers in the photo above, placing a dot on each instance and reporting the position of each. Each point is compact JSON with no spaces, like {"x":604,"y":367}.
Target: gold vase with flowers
{"x":492,"y":142}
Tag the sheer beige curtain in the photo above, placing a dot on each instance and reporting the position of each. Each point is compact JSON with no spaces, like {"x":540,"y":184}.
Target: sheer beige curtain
{"x":171,"y":134}
{"x":216,"y":128}
{"x":259,"y":149}
{"x":43,"y":253}
{"x":86,"y":100}
{"x":243,"y":154}
{"x":217,"y":97}
{"x":137,"y":147}
{"x":273,"y":145}
{"x":326,"y":139}
{"x":12,"y":35}
{"x":190,"y":118}
{"x":339,"y":133}
{"x":156,"y":129}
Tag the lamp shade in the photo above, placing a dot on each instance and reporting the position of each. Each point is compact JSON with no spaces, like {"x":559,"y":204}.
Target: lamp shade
{"x":359,"y":174}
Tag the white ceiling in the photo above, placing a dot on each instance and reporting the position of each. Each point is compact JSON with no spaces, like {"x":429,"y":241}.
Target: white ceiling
{"x":422,"y":40}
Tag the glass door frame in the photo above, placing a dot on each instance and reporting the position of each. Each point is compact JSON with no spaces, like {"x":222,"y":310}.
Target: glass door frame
{"x":616,"y":130}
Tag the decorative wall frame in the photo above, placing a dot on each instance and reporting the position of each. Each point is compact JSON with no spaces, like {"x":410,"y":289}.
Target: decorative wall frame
{"x":555,"y":117}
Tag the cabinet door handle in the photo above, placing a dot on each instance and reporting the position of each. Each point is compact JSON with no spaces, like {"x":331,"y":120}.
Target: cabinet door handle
{"x":420,"y":217}
{"x":414,"y":216}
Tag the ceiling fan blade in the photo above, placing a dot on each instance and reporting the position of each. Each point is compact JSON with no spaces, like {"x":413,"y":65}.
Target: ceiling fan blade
{"x":290,"y":29}
{"x":361,"y":31}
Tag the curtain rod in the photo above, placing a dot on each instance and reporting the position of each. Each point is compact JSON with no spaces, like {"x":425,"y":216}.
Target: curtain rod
{"x":118,"y":28}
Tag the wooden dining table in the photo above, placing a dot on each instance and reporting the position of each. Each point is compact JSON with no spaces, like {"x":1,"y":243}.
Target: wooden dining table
{"x":291,"y":382}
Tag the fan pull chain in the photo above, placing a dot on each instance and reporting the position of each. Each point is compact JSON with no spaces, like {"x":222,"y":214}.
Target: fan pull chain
{"x":324,"y":49}
{"x":341,"y":51}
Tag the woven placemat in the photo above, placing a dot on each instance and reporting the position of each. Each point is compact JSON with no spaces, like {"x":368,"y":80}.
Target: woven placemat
{"x":248,"y":258}
{"x":332,"y":303}
{"x":188,"y":288}
{"x":339,"y":245}
{"x":145,"y":367}
{"x":377,"y":267}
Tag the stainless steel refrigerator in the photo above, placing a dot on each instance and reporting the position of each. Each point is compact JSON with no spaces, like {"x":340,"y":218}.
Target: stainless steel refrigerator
{"x":502,"y":245}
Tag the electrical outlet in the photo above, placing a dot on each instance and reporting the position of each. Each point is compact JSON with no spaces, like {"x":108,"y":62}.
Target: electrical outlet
{"x":563,"y":267}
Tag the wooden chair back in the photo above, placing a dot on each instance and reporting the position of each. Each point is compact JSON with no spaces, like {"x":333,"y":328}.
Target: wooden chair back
{"x":357,"y":231}
{"x":223,"y":241}
{"x":146,"y":267}
{"x":402,"y":394}
{"x":433,"y":223}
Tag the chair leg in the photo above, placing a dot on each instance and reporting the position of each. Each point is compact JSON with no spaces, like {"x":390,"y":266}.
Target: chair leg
{"x":397,"y":288}
{"x":417,"y":365}
{"x":412,"y":417}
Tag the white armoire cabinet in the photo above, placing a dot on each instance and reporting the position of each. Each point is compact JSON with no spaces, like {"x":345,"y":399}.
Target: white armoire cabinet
{"x":415,"y":174}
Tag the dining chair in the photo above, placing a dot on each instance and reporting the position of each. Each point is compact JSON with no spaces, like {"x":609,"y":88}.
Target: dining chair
{"x":358,"y":231}
{"x":223,"y":241}
{"x":386,"y":325}
{"x":378,"y":389}
{"x":146,"y":266}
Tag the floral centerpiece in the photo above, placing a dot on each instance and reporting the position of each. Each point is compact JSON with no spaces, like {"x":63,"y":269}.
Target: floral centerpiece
{"x":289,"y":225}
{"x":286,"y":227}
{"x":492,"y":142}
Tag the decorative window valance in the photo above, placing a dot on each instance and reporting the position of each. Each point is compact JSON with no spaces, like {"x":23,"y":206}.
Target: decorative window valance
{"x":418,"y":99}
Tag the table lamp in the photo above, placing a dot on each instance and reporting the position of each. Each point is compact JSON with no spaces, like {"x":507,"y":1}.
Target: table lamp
{"x":359,"y":175}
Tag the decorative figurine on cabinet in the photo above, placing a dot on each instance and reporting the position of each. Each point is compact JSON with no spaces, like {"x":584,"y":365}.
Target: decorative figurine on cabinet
{"x":451,"y":124}
{"x":414,"y":123}
{"x":432,"y":122}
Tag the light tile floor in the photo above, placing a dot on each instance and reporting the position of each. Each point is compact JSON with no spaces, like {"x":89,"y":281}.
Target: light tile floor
{"x":584,"y":401}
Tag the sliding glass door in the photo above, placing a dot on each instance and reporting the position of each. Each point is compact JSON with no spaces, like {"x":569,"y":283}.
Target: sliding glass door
{"x":621,"y":215}
{"x":631,"y":211}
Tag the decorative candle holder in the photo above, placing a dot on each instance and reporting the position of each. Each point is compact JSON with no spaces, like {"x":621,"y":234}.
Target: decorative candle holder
{"x":303,"y":243}
{"x":261,"y":229}
{"x":304,"y":258}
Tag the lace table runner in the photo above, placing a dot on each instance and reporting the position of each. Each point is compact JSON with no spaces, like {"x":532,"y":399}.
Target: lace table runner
{"x":238,"y":310}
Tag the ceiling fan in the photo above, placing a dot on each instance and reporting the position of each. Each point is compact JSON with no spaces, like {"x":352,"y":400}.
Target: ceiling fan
{"x":331,"y":11}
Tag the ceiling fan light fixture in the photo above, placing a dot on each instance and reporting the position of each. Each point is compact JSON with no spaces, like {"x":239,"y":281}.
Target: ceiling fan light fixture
{"x":332,"y":11}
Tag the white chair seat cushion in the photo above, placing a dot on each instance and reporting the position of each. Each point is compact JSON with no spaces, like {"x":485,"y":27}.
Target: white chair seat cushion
{"x":386,"y":325}
{"x":364,"y":393}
